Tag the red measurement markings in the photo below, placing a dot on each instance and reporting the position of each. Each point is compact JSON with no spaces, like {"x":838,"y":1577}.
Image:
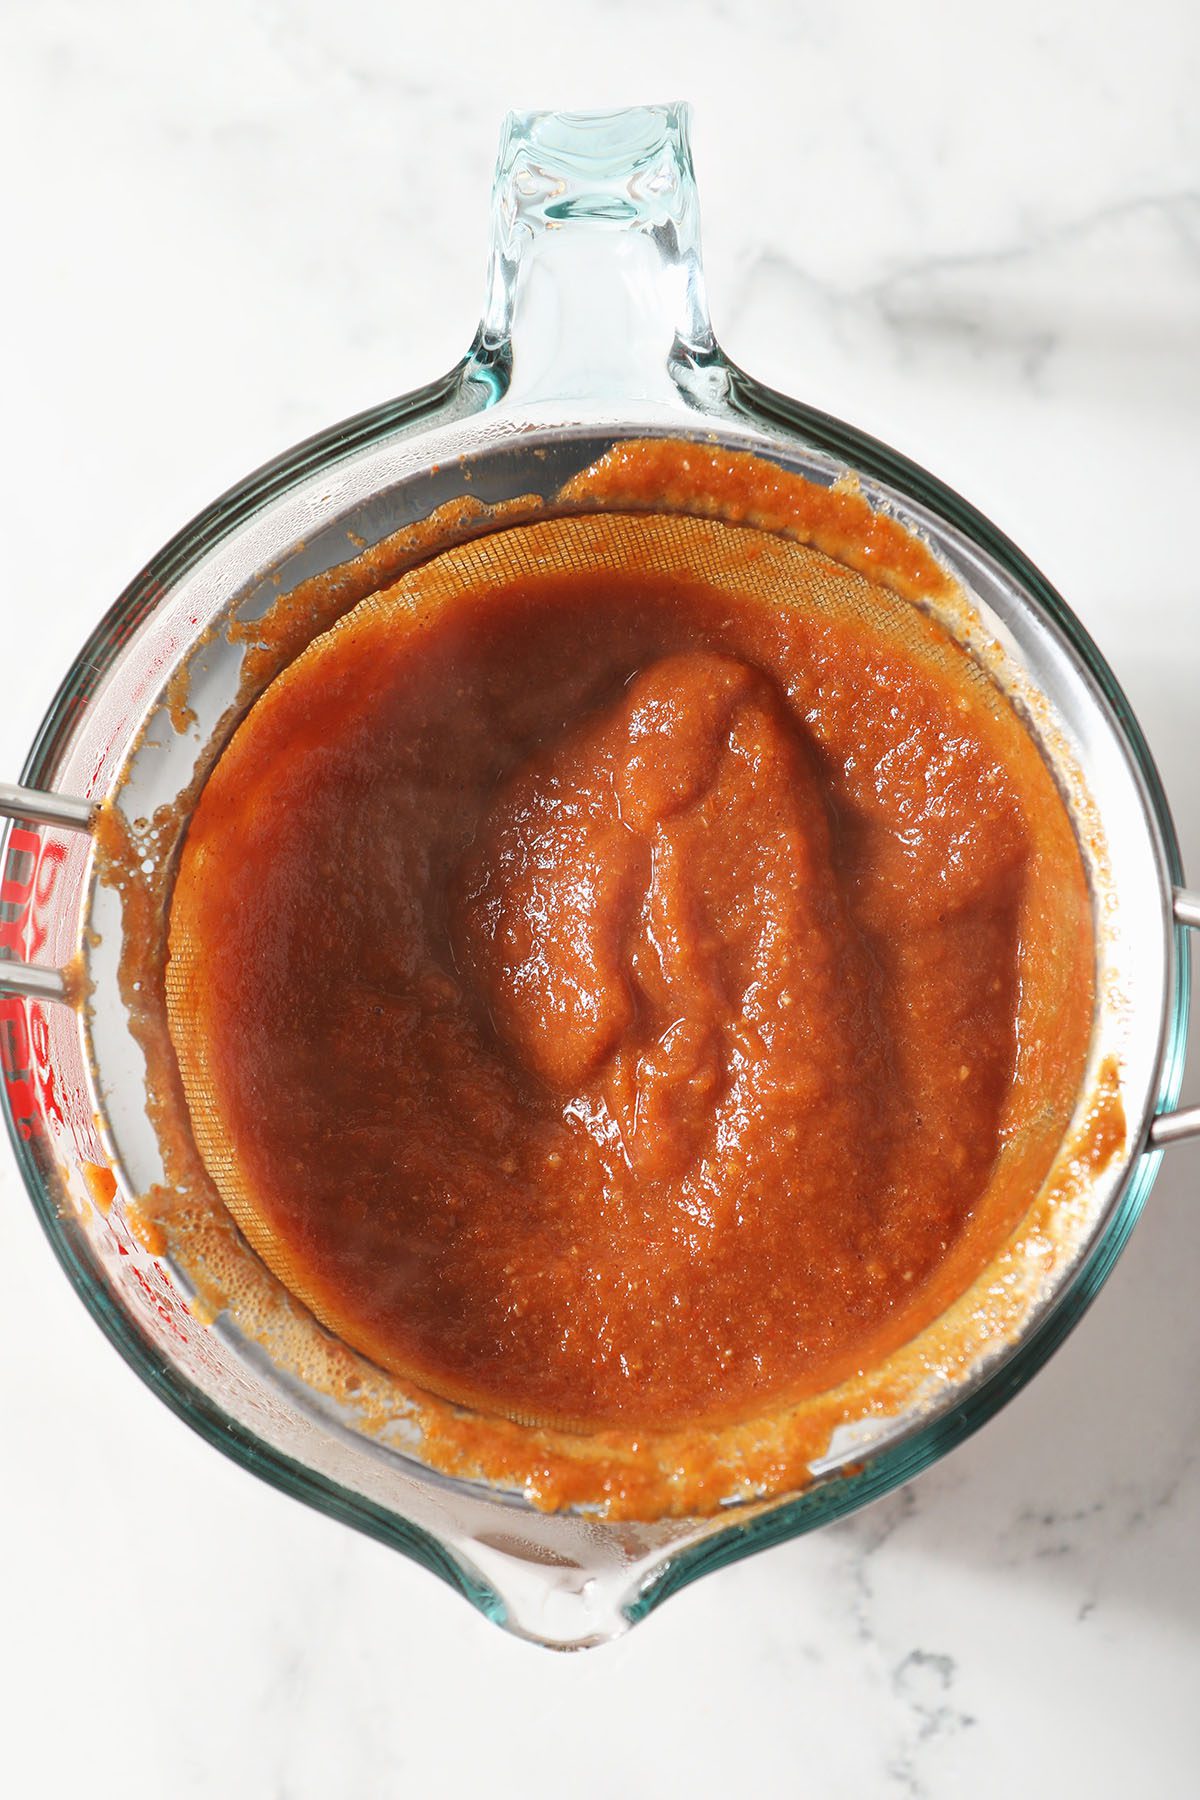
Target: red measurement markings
{"x":28,"y":875}
{"x":16,"y":1054}
{"x":167,"y":1306}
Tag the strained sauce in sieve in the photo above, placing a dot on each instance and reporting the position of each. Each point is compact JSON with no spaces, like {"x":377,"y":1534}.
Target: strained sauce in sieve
{"x":601,"y":990}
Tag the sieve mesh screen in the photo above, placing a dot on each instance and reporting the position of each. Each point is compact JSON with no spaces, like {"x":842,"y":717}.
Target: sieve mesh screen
{"x":746,"y":565}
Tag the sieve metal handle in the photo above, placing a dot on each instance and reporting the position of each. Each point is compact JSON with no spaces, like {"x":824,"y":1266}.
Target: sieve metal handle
{"x":29,"y":980}
{"x":1173,"y":1127}
{"x":32,"y":982}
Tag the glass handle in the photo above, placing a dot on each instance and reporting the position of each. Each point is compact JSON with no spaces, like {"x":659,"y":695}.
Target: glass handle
{"x":1174,"y":1127}
{"x":595,"y":282}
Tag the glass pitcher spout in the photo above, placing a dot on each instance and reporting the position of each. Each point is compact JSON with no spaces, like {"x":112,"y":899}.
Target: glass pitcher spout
{"x":595,"y":280}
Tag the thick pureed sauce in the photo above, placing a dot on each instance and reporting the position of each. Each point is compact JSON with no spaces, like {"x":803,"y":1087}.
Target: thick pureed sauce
{"x":610,"y":991}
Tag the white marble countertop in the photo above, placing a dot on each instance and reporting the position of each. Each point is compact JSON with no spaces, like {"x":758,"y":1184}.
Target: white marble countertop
{"x":976,"y":233}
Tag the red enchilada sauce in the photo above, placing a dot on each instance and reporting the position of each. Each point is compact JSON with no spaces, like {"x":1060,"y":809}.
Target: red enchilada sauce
{"x":609,"y":988}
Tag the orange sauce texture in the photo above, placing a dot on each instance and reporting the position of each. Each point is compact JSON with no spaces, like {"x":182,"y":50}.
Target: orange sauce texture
{"x":630,"y":1008}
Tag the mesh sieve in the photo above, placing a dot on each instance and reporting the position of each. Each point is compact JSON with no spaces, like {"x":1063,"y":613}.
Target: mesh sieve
{"x":747,"y":565}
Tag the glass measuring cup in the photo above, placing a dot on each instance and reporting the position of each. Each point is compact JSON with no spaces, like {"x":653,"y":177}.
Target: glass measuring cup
{"x":594,"y":329}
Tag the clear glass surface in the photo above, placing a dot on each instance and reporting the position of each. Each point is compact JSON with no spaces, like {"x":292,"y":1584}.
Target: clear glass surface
{"x":595,"y":327}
